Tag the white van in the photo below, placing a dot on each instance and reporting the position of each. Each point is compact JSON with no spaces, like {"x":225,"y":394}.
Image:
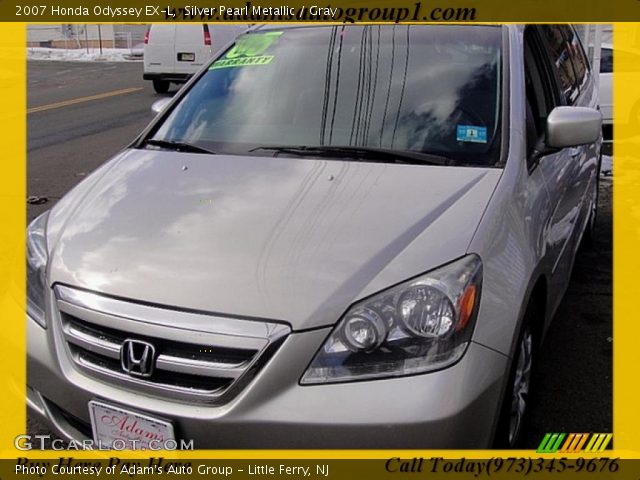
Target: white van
{"x":172,"y":53}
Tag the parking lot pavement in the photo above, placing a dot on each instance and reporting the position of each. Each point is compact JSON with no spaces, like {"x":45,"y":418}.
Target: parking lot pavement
{"x":573,"y":382}
{"x":80,"y":114}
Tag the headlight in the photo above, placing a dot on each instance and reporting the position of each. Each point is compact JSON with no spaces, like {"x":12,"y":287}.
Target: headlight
{"x":422,"y":325}
{"x":36,"y":267}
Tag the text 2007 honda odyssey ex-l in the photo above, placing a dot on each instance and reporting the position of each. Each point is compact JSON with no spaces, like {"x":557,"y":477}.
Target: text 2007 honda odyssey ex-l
{"x":331,"y":237}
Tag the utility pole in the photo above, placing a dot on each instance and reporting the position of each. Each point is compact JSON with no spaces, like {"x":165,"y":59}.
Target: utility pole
{"x":100,"y":38}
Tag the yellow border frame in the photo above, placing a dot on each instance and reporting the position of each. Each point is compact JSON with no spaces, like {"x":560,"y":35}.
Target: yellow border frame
{"x":12,"y":228}
{"x":13,"y":212}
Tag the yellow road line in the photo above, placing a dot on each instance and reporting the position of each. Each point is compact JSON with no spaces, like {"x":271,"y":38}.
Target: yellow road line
{"x":66,"y":103}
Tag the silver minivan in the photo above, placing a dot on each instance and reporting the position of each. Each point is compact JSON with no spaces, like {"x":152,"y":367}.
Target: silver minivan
{"x":331,"y":237}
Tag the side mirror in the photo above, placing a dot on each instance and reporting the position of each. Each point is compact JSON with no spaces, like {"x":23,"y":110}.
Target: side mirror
{"x":573,"y":126}
{"x":160,"y":105}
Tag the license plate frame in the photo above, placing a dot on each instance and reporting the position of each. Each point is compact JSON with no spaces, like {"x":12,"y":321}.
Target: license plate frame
{"x":110,"y":423}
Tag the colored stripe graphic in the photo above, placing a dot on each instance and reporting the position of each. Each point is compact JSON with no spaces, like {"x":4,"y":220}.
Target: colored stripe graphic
{"x":598,"y":442}
{"x":575,"y":442}
{"x":551,"y":443}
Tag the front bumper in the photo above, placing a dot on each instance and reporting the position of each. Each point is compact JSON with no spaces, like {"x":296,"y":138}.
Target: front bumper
{"x":452,"y":408}
{"x":168,"y":77}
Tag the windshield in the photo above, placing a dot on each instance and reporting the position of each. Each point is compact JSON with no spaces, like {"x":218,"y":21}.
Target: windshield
{"x":405,"y":88}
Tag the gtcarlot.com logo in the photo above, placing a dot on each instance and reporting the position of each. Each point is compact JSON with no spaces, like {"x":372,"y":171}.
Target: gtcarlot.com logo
{"x":574,"y":442}
{"x":47,"y":442}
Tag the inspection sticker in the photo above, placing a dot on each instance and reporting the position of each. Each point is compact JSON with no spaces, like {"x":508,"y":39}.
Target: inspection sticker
{"x":471,"y":133}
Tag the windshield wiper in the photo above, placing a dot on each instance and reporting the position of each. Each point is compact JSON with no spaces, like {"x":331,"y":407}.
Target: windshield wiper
{"x":178,"y":146}
{"x":361,"y":153}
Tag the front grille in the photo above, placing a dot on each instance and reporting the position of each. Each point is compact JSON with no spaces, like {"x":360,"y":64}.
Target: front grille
{"x":197,"y":357}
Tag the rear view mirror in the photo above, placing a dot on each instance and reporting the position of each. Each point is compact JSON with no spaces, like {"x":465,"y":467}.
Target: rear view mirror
{"x":573,"y":126}
{"x":160,"y":105}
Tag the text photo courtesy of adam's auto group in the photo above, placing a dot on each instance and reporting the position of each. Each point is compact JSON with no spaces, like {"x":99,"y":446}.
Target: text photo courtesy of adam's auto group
{"x":322,"y":236}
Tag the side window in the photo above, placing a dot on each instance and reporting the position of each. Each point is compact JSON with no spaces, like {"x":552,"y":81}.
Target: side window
{"x":541,"y":89}
{"x":559,"y":50}
{"x":578,"y":57}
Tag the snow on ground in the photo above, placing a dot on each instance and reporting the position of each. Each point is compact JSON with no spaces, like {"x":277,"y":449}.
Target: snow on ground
{"x":82,"y":55}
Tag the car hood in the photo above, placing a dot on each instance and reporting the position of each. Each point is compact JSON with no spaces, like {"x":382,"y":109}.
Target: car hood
{"x":290,"y":239}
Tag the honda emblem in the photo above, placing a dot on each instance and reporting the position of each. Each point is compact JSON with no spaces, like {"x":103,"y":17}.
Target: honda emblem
{"x":137,"y":357}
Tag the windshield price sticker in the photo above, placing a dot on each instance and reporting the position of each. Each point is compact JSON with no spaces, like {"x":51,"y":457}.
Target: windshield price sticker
{"x":248,"y":51}
{"x":242,"y":62}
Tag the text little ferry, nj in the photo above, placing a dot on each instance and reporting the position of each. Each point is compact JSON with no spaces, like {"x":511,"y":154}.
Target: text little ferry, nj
{"x":297,"y":470}
{"x":161,"y":466}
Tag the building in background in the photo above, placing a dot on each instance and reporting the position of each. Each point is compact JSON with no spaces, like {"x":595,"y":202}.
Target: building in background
{"x":85,"y":35}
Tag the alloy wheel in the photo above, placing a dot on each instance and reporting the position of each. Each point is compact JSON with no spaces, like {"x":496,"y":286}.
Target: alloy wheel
{"x":521,"y":385}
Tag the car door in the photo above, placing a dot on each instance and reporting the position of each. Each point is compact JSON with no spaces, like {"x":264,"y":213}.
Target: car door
{"x":551,"y":83}
{"x":588,"y":159}
{"x":159,"y":51}
{"x":192,"y":47}
{"x":567,"y":55}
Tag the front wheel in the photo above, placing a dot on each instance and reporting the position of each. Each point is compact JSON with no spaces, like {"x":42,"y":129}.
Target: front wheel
{"x":516,"y":401}
{"x":161,"y":86}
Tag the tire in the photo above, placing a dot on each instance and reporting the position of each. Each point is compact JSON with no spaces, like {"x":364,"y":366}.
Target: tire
{"x":516,"y":401}
{"x":161,"y":86}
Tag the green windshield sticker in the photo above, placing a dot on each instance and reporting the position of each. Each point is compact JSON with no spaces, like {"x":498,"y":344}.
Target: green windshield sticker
{"x":241,"y":62}
{"x":248,"y":51}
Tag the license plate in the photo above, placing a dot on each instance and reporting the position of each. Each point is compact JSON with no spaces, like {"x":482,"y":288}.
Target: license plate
{"x":115,"y":427}
{"x":186,"y":57}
